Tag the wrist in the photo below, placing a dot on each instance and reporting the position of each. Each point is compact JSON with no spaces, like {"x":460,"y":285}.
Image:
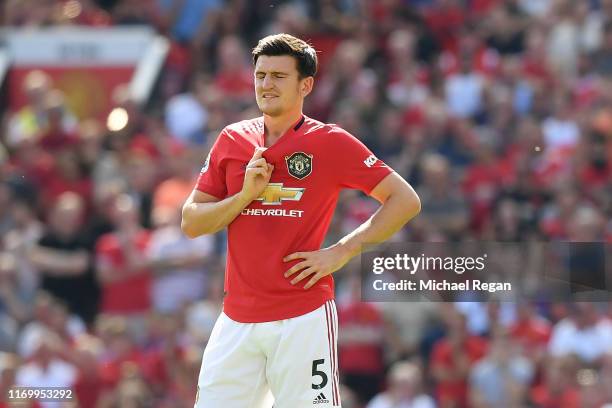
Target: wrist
{"x":345,"y":251}
{"x":243,"y":199}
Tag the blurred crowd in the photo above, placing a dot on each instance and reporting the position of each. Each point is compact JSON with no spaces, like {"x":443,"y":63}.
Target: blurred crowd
{"x":498,"y":112}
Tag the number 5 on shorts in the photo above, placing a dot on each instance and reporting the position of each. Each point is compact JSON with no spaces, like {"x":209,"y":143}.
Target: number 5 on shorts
{"x":318,"y":373}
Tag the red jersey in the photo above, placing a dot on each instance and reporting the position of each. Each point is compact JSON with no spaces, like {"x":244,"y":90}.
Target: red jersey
{"x":456,"y":390}
{"x":131,"y":295}
{"x":363,"y":327}
{"x":312,"y":163}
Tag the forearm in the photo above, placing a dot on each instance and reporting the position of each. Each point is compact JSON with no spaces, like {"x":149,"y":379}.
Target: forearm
{"x":111,"y":275}
{"x":390,"y":218}
{"x":208,"y":218}
{"x":163,"y":266}
{"x":59,"y":263}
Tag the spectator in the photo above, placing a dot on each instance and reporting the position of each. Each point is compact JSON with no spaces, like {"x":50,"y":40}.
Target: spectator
{"x":451,"y":361}
{"x":49,"y":315}
{"x":190,"y":20}
{"x":443,"y":208}
{"x":560,"y":130}
{"x":531,"y":332}
{"x":27,"y":231}
{"x":200,"y":317}
{"x":360,"y":344}
{"x":586,"y":334}
{"x":186,"y":114}
{"x":172,"y":192}
{"x":142,"y":175}
{"x":482,"y":182}
{"x":465,"y":90}
{"x":606,"y":379}
{"x":507,"y":34}
{"x":177,"y":262}
{"x":122,"y":268}
{"x":563,"y":41}
{"x":234,"y":76}
{"x":9,"y":363}
{"x":558,"y":388}
{"x":603,"y":57}
{"x":46,"y":368}
{"x":63,"y":258}
{"x":502,"y":377}
{"x":31,"y":119}
{"x":89,"y":145}
{"x":59,"y":128}
{"x":405,"y":382}
{"x":68,"y":176}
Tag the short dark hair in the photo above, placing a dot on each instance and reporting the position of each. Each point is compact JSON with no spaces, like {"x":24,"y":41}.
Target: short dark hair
{"x":286,"y":44}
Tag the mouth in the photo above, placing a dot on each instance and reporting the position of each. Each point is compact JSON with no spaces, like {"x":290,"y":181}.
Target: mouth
{"x":268,"y":96}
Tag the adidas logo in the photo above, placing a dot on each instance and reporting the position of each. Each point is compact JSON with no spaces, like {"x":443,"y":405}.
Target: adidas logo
{"x":320,"y":399}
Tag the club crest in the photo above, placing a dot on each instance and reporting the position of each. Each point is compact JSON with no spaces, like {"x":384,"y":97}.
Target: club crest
{"x":299,"y":164}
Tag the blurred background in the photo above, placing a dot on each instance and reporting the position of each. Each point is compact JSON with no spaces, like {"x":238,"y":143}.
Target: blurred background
{"x":498,"y":112}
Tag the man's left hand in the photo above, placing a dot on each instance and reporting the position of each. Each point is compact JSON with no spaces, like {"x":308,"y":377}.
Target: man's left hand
{"x":316,"y":263}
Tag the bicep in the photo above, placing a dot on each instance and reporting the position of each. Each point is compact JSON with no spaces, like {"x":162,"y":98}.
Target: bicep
{"x":200,"y":197}
{"x":392,"y":184}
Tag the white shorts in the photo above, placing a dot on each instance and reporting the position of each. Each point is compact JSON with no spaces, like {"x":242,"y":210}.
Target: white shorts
{"x":290,"y":363}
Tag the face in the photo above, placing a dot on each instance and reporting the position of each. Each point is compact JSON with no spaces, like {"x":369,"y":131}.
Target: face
{"x":278,"y":88}
{"x":66,"y":216}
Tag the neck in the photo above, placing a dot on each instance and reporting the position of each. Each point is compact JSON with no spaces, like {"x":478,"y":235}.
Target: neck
{"x":276,"y":126}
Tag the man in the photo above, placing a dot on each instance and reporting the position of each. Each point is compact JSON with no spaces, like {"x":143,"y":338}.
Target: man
{"x":274,"y":182}
{"x":62,"y":256}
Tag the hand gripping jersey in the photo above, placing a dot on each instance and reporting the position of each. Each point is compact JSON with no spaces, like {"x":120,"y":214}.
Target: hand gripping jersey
{"x":312,"y":163}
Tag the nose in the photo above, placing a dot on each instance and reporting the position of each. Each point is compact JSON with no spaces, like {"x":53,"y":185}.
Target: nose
{"x":266,"y":82}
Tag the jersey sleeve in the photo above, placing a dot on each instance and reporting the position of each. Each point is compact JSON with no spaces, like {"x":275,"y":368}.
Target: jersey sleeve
{"x":357,"y":167}
{"x":212,"y":176}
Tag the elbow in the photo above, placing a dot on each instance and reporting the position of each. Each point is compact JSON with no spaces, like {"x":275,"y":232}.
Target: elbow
{"x":412,"y":204}
{"x":190,"y":228}
{"x":186,"y":224}
{"x":416,"y":205}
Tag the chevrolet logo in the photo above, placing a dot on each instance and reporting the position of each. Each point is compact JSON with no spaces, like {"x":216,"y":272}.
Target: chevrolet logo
{"x":275,"y":194}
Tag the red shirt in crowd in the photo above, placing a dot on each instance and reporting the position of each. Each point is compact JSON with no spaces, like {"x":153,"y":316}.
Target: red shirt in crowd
{"x":312,"y":163}
{"x":544,"y":398}
{"x":531,"y":333}
{"x":481,"y":185}
{"x":131,"y":295}
{"x":474,"y":349}
{"x":363,"y":324}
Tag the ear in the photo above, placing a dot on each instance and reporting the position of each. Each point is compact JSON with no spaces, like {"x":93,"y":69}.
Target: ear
{"x":306,"y":86}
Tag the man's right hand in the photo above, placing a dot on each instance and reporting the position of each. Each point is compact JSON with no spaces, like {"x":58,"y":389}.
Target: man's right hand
{"x":256,"y":177}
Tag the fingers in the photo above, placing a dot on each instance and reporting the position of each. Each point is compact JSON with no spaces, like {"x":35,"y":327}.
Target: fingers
{"x":313,"y":280}
{"x":296,"y":267}
{"x":257,"y":154}
{"x":306,"y":272}
{"x":306,"y":263}
{"x":258,"y":171}
{"x":294,"y":256}
{"x":257,"y":163}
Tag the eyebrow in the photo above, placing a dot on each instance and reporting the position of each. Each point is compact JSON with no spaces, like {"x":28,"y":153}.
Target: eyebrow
{"x":272,"y":72}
